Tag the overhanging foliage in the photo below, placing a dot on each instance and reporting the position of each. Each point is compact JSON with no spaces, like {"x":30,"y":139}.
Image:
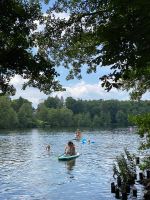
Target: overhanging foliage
{"x":103,"y":33}
{"x":19,"y":47}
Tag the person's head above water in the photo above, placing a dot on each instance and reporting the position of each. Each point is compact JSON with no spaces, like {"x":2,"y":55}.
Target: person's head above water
{"x":70,"y":143}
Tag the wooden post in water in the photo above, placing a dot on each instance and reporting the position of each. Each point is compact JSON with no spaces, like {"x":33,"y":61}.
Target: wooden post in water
{"x":135,"y":176}
{"x":134,"y":192}
{"x":137,"y":160}
{"x":117,"y":192}
{"x":119,"y":181}
{"x":113,"y":188}
{"x":128,"y":189}
{"x":141,"y":176}
{"x":148,"y":174}
{"x":124,"y":196}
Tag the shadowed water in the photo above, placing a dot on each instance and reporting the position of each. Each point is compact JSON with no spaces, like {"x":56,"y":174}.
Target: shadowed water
{"x":29,"y":172}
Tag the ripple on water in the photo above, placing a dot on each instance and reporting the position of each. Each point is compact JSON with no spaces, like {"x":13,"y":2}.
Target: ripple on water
{"x":29,"y":172}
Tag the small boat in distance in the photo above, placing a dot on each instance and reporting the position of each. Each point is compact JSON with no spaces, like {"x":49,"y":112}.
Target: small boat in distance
{"x":68,"y":157}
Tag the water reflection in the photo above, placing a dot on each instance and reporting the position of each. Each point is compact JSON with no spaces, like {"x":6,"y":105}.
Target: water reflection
{"x":70,"y":164}
{"x":25,"y":164}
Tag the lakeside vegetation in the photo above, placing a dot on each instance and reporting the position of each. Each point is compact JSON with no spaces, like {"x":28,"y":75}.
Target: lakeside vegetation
{"x":54,"y":112}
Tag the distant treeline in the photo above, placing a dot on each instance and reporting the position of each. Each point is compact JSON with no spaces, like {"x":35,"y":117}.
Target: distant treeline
{"x":55,"y":112}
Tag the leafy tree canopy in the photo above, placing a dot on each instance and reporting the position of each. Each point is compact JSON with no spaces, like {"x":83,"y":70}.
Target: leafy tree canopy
{"x":18,"y":37}
{"x":100,"y":33}
{"x":112,"y":33}
{"x":53,"y":102}
{"x":17,"y":103}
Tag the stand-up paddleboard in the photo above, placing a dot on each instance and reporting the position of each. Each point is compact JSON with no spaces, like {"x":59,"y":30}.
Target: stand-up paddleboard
{"x":68,"y":157}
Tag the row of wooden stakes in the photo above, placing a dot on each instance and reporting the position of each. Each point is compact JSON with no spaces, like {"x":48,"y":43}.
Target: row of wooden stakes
{"x":128,"y":189}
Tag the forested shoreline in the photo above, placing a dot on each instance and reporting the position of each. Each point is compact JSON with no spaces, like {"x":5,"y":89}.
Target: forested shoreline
{"x":56,"y":112}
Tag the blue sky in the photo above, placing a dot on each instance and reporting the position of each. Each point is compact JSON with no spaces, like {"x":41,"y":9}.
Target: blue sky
{"x":92,"y":78}
{"x":88,"y":88}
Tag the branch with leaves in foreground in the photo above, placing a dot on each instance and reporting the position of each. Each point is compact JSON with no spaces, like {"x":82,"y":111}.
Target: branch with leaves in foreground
{"x":143,"y":124}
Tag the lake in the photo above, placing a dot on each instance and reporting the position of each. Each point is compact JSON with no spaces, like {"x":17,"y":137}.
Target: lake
{"x":29,"y":172}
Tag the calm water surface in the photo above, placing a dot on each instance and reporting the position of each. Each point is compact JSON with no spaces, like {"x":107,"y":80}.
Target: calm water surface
{"x":29,"y":172}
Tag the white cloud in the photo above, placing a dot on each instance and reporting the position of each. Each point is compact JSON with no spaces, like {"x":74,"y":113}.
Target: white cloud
{"x":17,"y":80}
{"x":83,"y":90}
{"x":80,"y":90}
{"x":32,"y":94}
{"x":146,"y":96}
{"x":61,"y":15}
